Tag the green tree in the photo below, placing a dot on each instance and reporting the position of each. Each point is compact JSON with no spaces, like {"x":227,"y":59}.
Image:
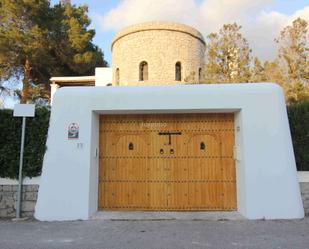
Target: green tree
{"x":23,"y":33}
{"x":273,"y":72}
{"x":258,"y":71}
{"x":228,"y":56}
{"x":293,"y":58}
{"x":72,"y":41}
{"x":269,"y":71}
{"x":38,"y":41}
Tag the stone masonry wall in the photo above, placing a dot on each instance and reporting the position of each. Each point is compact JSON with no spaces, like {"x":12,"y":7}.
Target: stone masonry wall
{"x":304,"y":186}
{"x":161,"y":45}
{"x":8,"y":196}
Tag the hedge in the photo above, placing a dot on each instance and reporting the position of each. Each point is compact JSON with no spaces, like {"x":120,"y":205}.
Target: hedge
{"x":299,"y":125}
{"x":36,"y":135}
{"x":10,"y":135}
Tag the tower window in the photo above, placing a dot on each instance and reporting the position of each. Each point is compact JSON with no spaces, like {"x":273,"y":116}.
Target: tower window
{"x":178,"y":71}
{"x":143,"y":71}
{"x":117,"y":76}
{"x":200,"y":74}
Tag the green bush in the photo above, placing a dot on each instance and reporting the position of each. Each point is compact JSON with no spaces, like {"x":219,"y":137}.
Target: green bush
{"x":10,"y":135}
{"x":299,"y":124}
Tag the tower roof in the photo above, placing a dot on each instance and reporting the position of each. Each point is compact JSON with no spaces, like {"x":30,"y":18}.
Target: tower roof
{"x":159,"y":25}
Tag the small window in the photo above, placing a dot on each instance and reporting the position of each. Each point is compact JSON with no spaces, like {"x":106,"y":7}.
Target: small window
{"x":143,"y":71}
{"x":117,"y":76}
{"x":178,"y":71}
{"x":200,"y":74}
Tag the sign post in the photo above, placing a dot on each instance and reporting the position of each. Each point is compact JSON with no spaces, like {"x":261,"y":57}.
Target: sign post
{"x":22,"y":110}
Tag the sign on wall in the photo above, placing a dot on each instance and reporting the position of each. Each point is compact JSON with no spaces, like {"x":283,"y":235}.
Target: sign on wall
{"x":73,"y":131}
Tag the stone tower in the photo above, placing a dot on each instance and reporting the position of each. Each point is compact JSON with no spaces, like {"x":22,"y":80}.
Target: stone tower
{"x":157,"y":53}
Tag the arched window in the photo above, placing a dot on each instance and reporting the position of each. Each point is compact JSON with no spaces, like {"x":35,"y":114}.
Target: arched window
{"x":200,"y":74}
{"x":178,"y":71}
{"x":143,"y":71}
{"x":117,"y":76}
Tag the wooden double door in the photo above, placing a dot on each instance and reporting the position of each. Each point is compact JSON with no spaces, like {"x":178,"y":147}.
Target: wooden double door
{"x":167,"y":162}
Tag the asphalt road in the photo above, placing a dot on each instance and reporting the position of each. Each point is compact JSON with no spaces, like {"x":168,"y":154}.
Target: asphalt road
{"x":104,"y":234}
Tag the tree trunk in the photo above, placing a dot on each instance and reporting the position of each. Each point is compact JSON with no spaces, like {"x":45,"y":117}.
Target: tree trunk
{"x":25,"y":90}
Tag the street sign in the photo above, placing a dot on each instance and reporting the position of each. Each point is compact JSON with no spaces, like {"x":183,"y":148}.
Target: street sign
{"x":22,"y":110}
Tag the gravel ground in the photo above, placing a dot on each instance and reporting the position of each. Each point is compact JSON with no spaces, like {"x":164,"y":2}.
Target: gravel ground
{"x":289,"y":234}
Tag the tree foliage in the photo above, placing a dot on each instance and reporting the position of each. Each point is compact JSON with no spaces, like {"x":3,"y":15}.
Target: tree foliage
{"x":291,"y":67}
{"x":228,"y":56}
{"x":269,"y":71}
{"x":72,"y":44}
{"x":38,"y":41}
{"x":293,"y":57}
{"x":23,"y":34}
{"x":228,"y":60}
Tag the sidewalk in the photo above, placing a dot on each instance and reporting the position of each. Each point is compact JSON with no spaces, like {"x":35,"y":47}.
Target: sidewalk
{"x":167,"y":234}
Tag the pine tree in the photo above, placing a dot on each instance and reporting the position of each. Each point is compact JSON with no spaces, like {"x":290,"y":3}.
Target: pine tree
{"x":23,"y":40}
{"x":38,"y":41}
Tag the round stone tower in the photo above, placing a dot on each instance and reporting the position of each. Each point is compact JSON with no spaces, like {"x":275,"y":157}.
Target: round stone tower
{"x":157,"y":53}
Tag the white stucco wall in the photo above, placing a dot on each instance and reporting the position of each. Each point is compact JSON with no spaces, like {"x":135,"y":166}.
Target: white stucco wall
{"x":267,"y":182}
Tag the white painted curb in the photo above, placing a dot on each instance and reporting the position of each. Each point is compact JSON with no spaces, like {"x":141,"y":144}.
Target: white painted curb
{"x":26,"y":181}
{"x":303,"y":176}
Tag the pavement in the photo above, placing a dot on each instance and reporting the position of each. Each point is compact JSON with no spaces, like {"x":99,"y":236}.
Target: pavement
{"x":159,"y":234}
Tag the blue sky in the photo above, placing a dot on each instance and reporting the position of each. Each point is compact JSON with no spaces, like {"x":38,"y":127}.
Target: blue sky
{"x":101,"y":11}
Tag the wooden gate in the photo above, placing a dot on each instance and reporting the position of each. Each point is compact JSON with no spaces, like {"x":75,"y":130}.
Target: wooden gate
{"x":167,"y":162}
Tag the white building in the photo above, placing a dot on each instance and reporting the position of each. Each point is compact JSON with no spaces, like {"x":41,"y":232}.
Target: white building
{"x":167,"y":148}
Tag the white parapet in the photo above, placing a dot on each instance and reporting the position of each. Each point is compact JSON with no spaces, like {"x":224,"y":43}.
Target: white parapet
{"x":26,"y":181}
